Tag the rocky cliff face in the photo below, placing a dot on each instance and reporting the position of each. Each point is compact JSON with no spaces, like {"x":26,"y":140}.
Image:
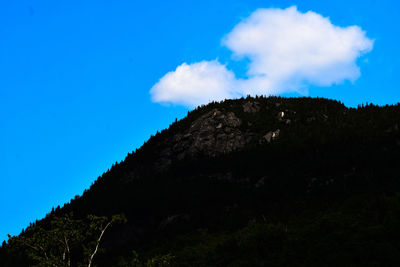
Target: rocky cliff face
{"x":220,"y":129}
{"x":214,"y":133}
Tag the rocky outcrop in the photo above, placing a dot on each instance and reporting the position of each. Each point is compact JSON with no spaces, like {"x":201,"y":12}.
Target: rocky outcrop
{"x":251,"y":107}
{"x":284,"y":116}
{"x":268,"y":137}
{"x":212,"y":134}
{"x":280,"y":115}
{"x":219,"y":131}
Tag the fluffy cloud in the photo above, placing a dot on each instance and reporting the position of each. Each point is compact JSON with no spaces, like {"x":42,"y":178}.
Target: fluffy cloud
{"x":288,"y":51}
{"x":195,"y":84}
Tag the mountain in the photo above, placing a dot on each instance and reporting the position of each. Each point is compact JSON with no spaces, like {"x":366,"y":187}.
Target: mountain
{"x":265,"y":181}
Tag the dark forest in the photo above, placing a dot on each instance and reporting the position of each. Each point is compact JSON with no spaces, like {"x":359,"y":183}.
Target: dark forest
{"x":264,"y":181}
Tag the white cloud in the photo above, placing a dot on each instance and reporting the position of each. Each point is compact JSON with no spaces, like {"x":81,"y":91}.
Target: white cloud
{"x":195,"y":84}
{"x":288,"y":51}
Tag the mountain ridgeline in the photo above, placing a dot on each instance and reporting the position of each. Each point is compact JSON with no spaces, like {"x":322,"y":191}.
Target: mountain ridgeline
{"x":265,"y":181}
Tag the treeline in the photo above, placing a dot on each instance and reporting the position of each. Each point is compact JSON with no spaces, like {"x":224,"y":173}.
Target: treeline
{"x":326,"y":192}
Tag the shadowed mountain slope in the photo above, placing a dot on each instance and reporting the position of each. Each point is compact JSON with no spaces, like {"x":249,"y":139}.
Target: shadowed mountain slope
{"x":250,"y":182}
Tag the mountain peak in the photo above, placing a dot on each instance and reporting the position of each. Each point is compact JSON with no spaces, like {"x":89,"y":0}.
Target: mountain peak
{"x":261,"y":172}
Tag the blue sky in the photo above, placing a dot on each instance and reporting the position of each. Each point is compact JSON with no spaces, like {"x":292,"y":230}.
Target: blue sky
{"x":75,"y":81}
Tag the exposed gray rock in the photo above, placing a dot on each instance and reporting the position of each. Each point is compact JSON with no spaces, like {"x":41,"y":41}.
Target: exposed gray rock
{"x":272,"y":135}
{"x":211,"y":134}
{"x":280,"y":115}
{"x":251,"y":107}
{"x":186,"y":135}
{"x":268,"y":137}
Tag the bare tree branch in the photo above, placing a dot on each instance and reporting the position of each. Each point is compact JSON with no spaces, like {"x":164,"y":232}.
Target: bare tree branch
{"x":68,"y":253}
{"x":97,"y":245}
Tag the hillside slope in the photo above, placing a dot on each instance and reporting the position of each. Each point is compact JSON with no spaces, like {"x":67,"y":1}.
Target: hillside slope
{"x":250,"y":182}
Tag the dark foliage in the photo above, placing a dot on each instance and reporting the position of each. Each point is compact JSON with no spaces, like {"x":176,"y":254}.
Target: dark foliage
{"x":326,"y":192}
